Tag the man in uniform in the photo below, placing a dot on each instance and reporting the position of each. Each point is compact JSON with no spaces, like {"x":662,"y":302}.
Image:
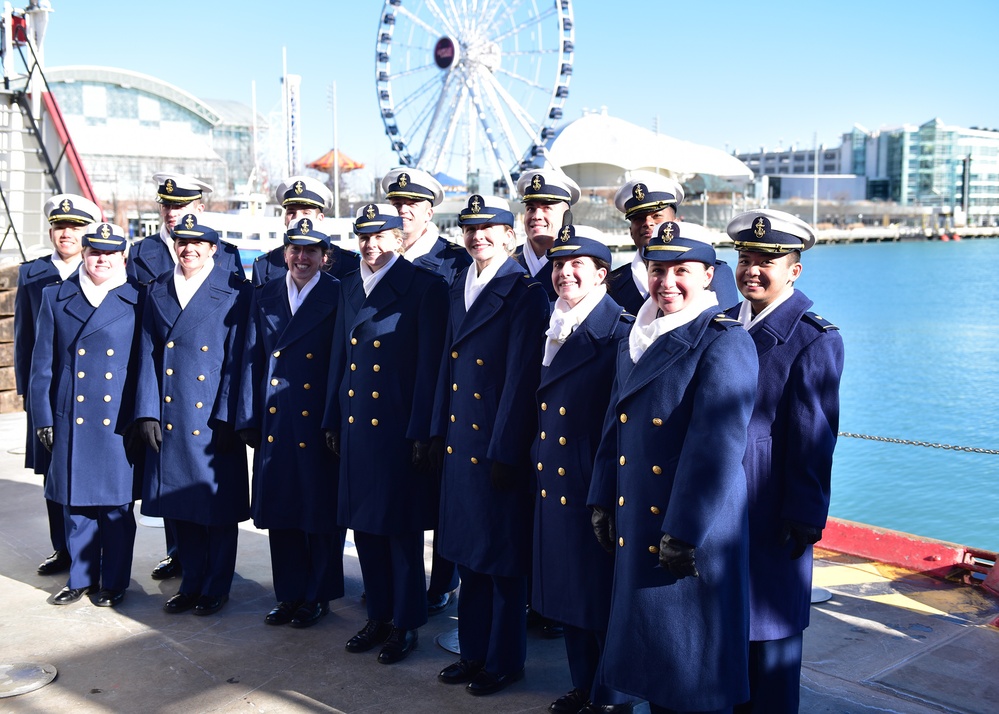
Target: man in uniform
{"x":646,"y":202}
{"x":68,"y":216}
{"x":792,"y":434}
{"x":303,"y":197}
{"x":415,"y":194}
{"x":547,"y":195}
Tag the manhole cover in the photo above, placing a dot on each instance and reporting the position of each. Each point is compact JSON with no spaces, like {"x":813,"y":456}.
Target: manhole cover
{"x":23,"y":677}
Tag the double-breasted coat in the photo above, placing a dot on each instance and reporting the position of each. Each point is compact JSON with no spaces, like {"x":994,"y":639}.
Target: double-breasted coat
{"x":792,"y":435}
{"x":271,"y":265}
{"x":446,"y":259}
{"x":150,"y":257}
{"x":572,"y":573}
{"x":383,"y":373}
{"x":485,"y":406}
{"x":189,"y":365}
{"x":670,"y":461}
{"x":82,"y":384}
{"x":282,"y":395}
{"x":32,"y":277}
{"x":544,"y":275}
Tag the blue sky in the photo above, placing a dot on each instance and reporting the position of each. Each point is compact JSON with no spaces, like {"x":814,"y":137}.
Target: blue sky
{"x":725,"y":74}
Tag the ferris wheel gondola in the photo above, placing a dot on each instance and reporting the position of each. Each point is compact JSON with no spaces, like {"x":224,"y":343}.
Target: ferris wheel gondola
{"x":473,"y":88}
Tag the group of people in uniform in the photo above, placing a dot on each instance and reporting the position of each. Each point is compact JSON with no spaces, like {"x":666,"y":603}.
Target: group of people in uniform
{"x":637,"y":455}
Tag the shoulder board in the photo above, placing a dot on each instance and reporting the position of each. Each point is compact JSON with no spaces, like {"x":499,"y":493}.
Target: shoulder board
{"x":722,"y":319}
{"x":626,"y":317}
{"x":820,"y":322}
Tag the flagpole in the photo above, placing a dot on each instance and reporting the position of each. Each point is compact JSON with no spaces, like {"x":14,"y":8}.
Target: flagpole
{"x":336,"y":162}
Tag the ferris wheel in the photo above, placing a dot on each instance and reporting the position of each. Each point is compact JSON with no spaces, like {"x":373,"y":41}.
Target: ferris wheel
{"x":473,"y":88}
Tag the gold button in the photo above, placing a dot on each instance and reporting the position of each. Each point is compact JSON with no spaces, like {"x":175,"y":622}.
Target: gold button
{"x":79,"y":420}
{"x":107,"y":422}
{"x":201,"y":378}
{"x":374,"y":422}
{"x":170,"y":345}
{"x":350,"y":420}
{"x":475,"y":427}
{"x":653,"y":549}
{"x":81,"y":375}
{"x":655,"y":510}
{"x":452,"y":418}
{"x":561,"y":410}
{"x":374,"y":395}
{"x":563,"y":500}
{"x":169,"y":427}
{"x":624,"y":418}
{"x":543,"y":436}
{"x":169,"y":371}
{"x":377,"y":344}
{"x":474,"y":460}
{"x":620,"y":541}
{"x":168,"y":399}
{"x":274,"y":383}
{"x":376,"y":368}
{"x":479,"y":362}
{"x":350,"y":392}
{"x":301,"y":444}
{"x":196,"y":432}
{"x":477,"y":395}
{"x":110,"y":353}
{"x":273,"y":410}
{"x":277,"y":353}
{"x":353,"y":367}
{"x":449,"y":450}
{"x":656,"y":470}
{"x":204,"y":348}
{"x":108,"y":375}
{"x":544,"y":493}
{"x":544,"y":407}
{"x":541,"y":466}
{"x":620,"y":501}
{"x":561,"y":440}
{"x":79,"y":397}
{"x":622,"y":461}
{"x":561,"y":471}
{"x":307,"y":386}
{"x":199,"y":404}
{"x":270,"y":439}
{"x":305,"y":413}
{"x":454,"y":387}
{"x":308,"y":355}
{"x":657,"y":422}
{"x":81,"y":352}
{"x":454,"y":355}
{"x":353,"y":340}
{"x":107,"y":397}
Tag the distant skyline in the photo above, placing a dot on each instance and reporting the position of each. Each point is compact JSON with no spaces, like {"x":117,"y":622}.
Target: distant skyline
{"x":732,"y":75}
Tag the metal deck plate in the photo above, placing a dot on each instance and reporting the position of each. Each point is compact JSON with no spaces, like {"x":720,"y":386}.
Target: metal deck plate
{"x":23,"y":677}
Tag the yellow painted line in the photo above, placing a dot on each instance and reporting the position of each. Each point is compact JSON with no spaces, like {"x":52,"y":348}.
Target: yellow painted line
{"x":831,"y":576}
{"x":907,"y":602}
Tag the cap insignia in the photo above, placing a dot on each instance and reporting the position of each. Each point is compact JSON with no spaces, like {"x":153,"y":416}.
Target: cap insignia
{"x":189,"y":222}
{"x":638,"y":192}
{"x":105,"y":231}
{"x":760,"y":227}
{"x":304,"y":226}
{"x":668,"y":233}
{"x":536,"y":182}
{"x":475,"y":204}
{"x":565,"y":234}
{"x":370,"y":211}
{"x":66,"y":205}
{"x":168,"y":186}
{"x":299,"y":187}
{"x":403,"y":180}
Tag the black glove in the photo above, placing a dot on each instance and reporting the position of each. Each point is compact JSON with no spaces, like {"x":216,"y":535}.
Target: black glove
{"x":134,"y":445}
{"x":44,"y":434}
{"x":435,"y":454}
{"x":333,"y":442}
{"x":225,"y":438}
{"x":678,"y":557}
{"x":503,"y":476}
{"x":250,"y":437}
{"x":149,"y":430}
{"x":420,"y":450}
{"x":602,"y":520}
{"x":802,"y":535}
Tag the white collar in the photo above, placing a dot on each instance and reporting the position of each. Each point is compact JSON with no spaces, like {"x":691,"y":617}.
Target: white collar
{"x":648,"y":327}
{"x":295,"y":296}
{"x":424,"y":244}
{"x":171,"y":248}
{"x":369,"y":280}
{"x":746,"y":310}
{"x":534,"y":263}
{"x":640,"y":274}
{"x":565,"y":320}
{"x":94,"y":293}
{"x":476,"y":282}
{"x":187,"y":287}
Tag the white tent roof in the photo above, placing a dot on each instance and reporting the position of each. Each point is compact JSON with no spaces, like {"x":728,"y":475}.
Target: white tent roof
{"x":602,"y":139}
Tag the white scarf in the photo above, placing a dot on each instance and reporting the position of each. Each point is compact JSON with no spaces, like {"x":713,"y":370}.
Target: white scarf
{"x":746,"y":310}
{"x":640,"y":274}
{"x":476,"y":282}
{"x":648,"y":328}
{"x":186,"y":287}
{"x":369,"y":280}
{"x":168,"y":239}
{"x":295,"y":296}
{"x":423,"y":244}
{"x":94,"y":293}
{"x":565,"y":320}
{"x":534,"y":263}
{"x":66,"y":269}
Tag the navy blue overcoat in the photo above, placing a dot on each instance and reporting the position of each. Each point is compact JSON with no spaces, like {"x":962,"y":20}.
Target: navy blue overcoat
{"x":788,"y":462}
{"x":544,"y":275}
{"x":189,"y":365}
{"x":446,"y":259}
{"x":82,"y":384}
{"x":572,"y":573}
{"x":386,"y":355}
{"x":282,"y":395}
{"x":670,"y":461}
{"x":150,"y":257}
{"x":485,"y":406}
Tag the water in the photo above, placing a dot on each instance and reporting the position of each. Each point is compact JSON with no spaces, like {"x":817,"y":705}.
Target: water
{"x":921,"y":334}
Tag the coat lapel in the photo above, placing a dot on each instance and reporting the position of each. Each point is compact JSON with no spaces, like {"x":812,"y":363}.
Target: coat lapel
{"x":117,"y":304}
{"x":581,"y":347}
{"x":74,"y":304}
{"x":211,"y":296}
{"x":490,"y":300}
{"x":388,"y":290}
{"x":319,"y":304}
{"x":662,"y":353}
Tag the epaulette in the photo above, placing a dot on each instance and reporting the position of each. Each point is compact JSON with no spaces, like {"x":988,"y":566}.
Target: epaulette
{"x":820,"y":322}
{"x":626,"y":317}
{"x":262,"y":256}
{"x":725,"y":321}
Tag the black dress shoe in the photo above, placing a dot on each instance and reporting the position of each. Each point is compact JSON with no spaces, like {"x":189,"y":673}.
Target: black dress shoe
{"x":210,"y":604}
{"x":592,"y":708}
{"x":168,"y":568}
{"x":282,"y":614}
{"x":488,"y":683}
{"x":551,"y":629}
{"x":460,"y":672}
{"x":56,"y":563}
{"x":437,"y":605}
{"x":399,"y":644}
{"x":373,"y":633}
{"x":310,"y":613}
{"x":181,"y":602}
{"x":572,"y":703}
{"x":109,"y":598}
{"x":68,"y":595}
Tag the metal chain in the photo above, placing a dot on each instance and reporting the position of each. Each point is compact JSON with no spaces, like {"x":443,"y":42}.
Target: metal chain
{"x":910,"y":442}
